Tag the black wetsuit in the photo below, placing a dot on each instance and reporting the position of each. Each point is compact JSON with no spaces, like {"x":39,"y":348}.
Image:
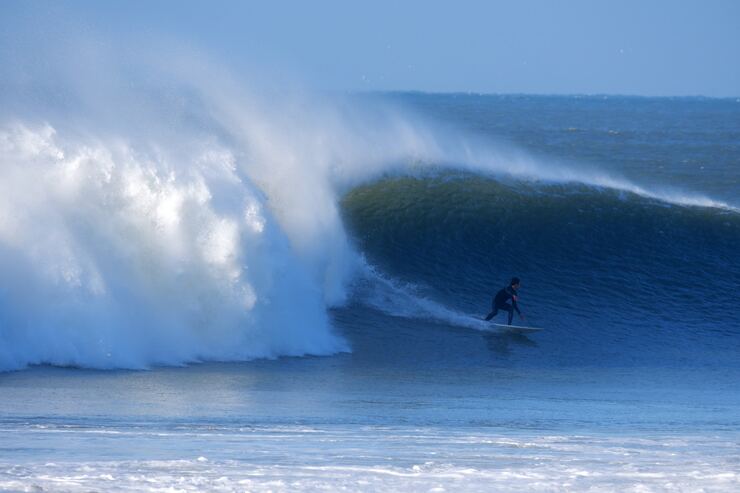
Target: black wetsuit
{"x":500,"y":303}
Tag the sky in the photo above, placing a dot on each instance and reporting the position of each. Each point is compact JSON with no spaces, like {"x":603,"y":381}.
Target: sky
{"x":649,"y":48}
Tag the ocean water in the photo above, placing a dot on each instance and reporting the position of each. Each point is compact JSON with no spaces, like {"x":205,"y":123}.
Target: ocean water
{"x":217,"y":292}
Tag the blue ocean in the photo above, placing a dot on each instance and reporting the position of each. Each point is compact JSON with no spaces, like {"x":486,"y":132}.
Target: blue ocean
{"x":215,"y":289}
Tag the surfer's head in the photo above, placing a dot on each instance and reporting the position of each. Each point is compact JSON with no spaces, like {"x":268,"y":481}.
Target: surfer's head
{"x":515,"y":282}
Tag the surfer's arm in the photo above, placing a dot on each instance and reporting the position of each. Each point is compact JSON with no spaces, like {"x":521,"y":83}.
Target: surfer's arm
{"x":515,"y":305}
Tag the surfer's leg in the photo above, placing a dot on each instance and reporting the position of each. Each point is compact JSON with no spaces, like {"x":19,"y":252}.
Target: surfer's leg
{"x":507,"y":307}
{"x":494,"y":310}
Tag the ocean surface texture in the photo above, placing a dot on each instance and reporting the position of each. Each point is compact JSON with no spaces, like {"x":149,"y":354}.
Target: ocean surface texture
{"x":218,"y":291}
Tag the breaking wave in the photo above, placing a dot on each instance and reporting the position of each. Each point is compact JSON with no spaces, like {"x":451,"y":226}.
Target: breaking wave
{"x":204,"y":220}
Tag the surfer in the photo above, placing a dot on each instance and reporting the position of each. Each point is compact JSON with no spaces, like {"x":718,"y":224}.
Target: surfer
{"x":511,"y":292}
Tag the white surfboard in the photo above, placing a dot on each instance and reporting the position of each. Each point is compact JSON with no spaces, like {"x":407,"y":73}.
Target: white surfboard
{"x":515,"y":329}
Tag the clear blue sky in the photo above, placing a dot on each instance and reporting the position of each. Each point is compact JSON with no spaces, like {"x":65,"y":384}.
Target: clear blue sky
{"x":681,"y":47}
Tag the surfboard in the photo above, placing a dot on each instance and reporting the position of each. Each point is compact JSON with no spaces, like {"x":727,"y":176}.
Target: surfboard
{"x":515,"y":329}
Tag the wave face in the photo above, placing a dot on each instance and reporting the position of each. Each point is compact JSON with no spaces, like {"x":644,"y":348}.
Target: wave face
{"x":617,"y":276}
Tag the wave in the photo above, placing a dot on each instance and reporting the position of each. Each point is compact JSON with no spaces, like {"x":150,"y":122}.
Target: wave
{"x":588,"y":255}
{"x":205,"y":221}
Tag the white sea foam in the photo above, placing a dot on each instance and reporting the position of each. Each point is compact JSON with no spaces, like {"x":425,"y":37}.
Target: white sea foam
{"x":116,"y":258}
{"x":387,"y":459}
